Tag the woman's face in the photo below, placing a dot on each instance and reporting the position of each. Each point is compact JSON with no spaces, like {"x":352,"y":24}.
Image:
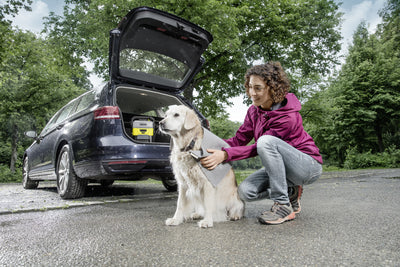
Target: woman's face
{"x":259,"y":92}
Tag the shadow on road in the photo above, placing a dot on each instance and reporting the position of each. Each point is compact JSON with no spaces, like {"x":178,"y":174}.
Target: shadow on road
{"x":125,"y":189}
{"x":121,"y":190}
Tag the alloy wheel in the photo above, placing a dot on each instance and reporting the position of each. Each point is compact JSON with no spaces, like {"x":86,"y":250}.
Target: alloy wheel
{"x":63,"y":172}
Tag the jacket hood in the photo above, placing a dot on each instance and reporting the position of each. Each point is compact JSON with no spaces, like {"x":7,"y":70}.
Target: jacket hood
{"x":292,"y":105}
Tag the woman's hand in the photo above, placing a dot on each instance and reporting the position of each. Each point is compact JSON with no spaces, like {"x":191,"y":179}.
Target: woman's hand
{"x":212,"y":161}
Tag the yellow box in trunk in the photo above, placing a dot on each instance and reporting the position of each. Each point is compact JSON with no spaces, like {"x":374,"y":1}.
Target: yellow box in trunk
{"x":142,"y":131}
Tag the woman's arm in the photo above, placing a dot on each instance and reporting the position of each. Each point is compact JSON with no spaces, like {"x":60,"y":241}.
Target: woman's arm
{"x":212,"y":161}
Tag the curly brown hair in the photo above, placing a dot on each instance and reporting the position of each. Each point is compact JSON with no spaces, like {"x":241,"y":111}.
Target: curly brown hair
{"x":274,"y":76}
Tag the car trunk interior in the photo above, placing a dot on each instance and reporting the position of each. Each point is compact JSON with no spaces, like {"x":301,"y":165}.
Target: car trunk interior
{"x":142,"y":110}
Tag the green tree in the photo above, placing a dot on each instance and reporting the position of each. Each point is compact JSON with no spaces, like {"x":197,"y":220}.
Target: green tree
{"x":361,"y":105}
{"x":223,"y":127}
{"x":389,"y":34}
{"x":370,"y":95}
{"x":355,"y":90}
{"x":303,"y":35}
{"x":33,"y":84}
{"x":389,"y":30}
{"x":10,"y":8}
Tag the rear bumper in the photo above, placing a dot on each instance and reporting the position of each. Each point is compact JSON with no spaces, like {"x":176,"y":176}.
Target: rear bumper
{"x":123,"y":169}
{"x":134,"y":166}
{"x":116,"y":157}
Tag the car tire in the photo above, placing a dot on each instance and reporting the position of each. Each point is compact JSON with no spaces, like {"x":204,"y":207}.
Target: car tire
{"x":169,"y":183}
{"x":68,"y":184}
{"x":27,"y":183}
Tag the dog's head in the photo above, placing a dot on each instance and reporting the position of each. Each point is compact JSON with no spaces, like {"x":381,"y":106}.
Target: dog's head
{"x":179,"y":119}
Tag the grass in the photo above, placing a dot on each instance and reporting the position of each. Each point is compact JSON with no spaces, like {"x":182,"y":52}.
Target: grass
{"x":332,"y":168}
{"x":242,"y":174}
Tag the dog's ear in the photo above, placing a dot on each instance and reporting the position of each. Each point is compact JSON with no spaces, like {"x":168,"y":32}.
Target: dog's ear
{"x":190,"y":120}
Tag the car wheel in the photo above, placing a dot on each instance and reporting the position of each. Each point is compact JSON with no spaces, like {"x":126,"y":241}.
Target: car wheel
{"x":106,"y":182}
{"x":68,"y":184}
{"x":169,"y":183}
{"x":27,"y":183}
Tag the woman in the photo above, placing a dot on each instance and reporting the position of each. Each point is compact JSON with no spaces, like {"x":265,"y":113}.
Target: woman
{"x":288,"y":153}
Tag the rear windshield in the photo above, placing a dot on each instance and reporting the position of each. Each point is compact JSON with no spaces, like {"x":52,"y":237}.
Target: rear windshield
{"x":157,"y":56}
{"x":152,"y":63}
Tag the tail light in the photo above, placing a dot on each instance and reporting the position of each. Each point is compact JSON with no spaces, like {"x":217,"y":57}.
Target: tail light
{"x":107,"y":113}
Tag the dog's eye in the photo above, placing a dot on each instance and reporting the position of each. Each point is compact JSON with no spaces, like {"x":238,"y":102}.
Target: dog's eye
{"x":176,"y":115}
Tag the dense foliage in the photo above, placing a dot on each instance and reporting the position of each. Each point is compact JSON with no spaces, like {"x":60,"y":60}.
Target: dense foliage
{"x":359,"y":111}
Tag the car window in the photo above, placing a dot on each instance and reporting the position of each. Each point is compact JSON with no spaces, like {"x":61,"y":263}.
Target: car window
{"x":153,"y":63}
{"x":85,"y":101}
{"x":50,"y":124}
{"x":65,"y":112}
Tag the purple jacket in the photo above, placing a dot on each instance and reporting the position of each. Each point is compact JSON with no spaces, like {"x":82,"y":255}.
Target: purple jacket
{"x":285,"y":123}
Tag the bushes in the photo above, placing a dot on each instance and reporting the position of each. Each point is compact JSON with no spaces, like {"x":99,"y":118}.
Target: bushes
{"x":388,"y":159}
{"x":6,"y":176}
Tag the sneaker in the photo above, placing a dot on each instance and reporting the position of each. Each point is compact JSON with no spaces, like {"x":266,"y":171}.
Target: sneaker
{"x":295,"y":193}
{"x":278,"y":214}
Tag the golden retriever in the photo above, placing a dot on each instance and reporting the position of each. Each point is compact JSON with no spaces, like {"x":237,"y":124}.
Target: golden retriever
{"x":197,"y":197}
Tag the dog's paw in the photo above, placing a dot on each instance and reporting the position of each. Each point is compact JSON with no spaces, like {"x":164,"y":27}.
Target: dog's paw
{"x":235,"y":217}
{"x":205,"y":223}
{"x":173,"y":222}
{"x":236,"y":212}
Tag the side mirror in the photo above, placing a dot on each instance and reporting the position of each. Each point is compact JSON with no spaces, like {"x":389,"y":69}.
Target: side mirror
{"x":31,"y":134}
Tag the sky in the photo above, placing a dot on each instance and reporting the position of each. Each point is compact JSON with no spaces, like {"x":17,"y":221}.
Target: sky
{"x":355,"y":11}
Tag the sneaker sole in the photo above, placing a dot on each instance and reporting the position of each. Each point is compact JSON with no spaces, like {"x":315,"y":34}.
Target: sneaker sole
{"x":290,"y":217}
{"x":295,"y":211}
{"x":298,"y":200}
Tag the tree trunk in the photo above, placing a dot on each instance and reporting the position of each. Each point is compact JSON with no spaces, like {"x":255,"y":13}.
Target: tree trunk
{"x":14,"y":151}
{"x":378,"y":133}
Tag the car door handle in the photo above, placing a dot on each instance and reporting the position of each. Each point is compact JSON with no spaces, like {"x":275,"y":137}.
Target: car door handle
{"x":59,"y":127}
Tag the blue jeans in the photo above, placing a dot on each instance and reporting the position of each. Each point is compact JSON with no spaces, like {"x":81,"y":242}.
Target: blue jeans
{"x":284,"y":166}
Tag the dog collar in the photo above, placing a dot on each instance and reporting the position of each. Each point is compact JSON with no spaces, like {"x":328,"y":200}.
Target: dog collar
{"x":190,"y":146}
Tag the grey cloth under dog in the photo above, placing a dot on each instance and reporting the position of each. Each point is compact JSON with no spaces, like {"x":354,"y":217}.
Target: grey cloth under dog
{"x":211,"y":141}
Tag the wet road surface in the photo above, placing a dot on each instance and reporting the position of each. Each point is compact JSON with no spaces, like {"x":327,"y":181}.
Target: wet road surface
{"x":346,"y":220}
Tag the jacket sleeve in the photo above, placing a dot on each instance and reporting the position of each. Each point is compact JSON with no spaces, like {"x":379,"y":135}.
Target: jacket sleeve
{"x":239,"y":149}
{"x":241,"y":152}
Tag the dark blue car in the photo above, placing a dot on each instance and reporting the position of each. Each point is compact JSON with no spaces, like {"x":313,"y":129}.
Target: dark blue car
{"x":111,"y":133}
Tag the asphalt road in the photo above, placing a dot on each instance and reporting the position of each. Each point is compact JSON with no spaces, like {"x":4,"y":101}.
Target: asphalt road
{"x":347,"y":219}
